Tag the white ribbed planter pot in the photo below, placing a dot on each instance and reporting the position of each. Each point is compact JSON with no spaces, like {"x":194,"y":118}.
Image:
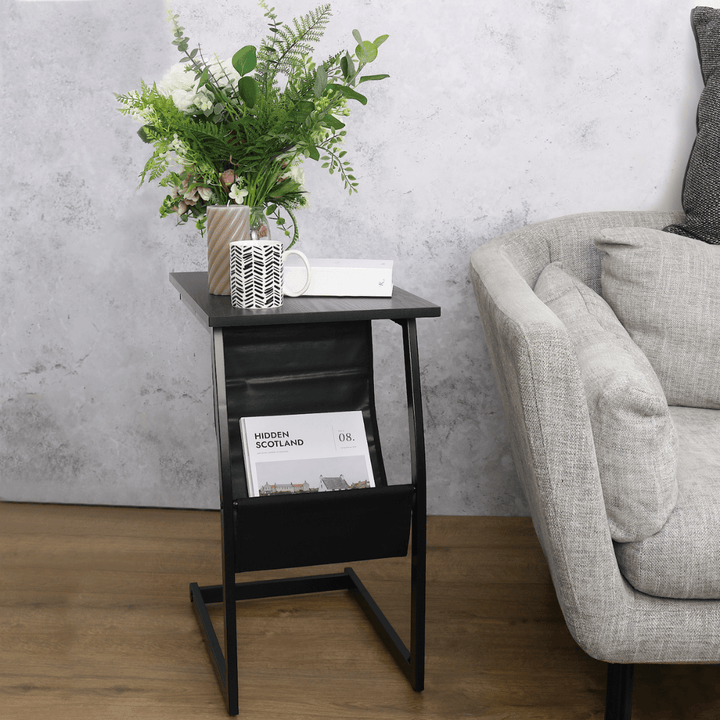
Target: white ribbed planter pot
{"x":225,"y":224}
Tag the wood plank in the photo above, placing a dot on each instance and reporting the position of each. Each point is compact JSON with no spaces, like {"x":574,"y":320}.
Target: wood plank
{"x":37,"y":520}
{"x":95,"y":622}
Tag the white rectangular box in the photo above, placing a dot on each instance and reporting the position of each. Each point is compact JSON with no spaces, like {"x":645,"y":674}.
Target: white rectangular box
{"x":333,"y":277}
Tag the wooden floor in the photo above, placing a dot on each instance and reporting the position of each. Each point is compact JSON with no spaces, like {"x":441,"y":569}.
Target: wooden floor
{"x":95,"y":622}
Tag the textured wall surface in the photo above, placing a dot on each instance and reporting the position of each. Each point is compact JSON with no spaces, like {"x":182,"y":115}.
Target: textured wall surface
{"x":497,"y":114}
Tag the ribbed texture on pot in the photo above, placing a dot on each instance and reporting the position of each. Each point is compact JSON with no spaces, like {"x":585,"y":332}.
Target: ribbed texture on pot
{"x":225,"y":224}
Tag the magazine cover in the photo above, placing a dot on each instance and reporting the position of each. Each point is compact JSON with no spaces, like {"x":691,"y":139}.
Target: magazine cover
{"x":313,"y":452}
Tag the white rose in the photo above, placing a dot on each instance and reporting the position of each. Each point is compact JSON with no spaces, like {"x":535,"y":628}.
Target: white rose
{"x":180,"y":85}
{"x":176,"y":78}
{"x":183,"y":100}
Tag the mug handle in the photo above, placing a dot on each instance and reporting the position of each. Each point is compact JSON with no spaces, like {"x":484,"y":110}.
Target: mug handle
{"x":302,"y":256}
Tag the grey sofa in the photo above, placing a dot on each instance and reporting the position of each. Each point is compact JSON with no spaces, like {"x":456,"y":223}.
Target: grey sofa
{"x":555,"y":457}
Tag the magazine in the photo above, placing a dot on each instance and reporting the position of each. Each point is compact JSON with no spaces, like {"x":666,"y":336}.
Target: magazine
{"x":313,"y":452}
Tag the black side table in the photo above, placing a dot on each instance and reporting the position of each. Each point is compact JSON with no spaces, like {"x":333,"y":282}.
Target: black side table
{"x":311,"y":355}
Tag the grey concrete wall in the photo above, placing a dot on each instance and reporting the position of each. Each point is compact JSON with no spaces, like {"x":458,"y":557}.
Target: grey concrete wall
{"x":498,"y":114}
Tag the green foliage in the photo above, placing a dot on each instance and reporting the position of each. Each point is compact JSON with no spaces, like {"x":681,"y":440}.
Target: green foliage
{"x":245,"y":60}
{"x":228,"y":131}
{"x":285,"y":49}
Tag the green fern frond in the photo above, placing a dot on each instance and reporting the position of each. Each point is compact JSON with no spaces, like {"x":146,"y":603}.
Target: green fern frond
{"x":284,"y":49}
{"x":301,"y":88}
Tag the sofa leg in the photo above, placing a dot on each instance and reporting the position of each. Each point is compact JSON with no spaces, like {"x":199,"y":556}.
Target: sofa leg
{"x":618,"y":698}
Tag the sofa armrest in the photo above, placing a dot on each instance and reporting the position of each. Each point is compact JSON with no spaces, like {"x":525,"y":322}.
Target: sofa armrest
{"x":548,"y":422}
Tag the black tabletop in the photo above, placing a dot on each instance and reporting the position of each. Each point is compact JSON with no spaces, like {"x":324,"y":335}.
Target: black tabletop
{"x":217,"y":310}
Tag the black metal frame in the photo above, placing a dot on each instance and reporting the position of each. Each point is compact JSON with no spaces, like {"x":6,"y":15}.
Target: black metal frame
{"x":400,"y":503}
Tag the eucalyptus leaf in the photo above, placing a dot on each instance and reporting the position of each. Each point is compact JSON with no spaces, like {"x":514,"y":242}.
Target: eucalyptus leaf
{"x":348,"y":93}
{"x":350,"y":65}
{"x":366,"y":52}
{"x":248,"y":89}
{"x":245,"y":59}
{"x":333,"y":122}
{"x":367,"y":78}
{"x":321,"y":79}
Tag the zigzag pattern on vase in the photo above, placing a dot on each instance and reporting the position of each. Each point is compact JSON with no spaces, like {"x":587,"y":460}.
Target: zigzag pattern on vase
{"x":225,"y":224}
{"x":256,"y":275}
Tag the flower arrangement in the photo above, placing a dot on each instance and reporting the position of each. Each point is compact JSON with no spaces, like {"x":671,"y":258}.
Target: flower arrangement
{"x":237,"y":130}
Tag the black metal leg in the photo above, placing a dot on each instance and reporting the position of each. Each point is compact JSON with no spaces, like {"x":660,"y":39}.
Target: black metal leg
{"x":227,"y":674}
{"x":618,"y":699}
{"x":381,"y":624}
{"x":208,"y":631}
{"x":230,"y":691}
{"x":221,"y":662}
{"x":419,"y":521}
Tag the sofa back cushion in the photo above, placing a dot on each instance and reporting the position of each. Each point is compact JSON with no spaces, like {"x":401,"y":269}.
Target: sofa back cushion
{"x":665,"y":290}
{"x":634,"y":436}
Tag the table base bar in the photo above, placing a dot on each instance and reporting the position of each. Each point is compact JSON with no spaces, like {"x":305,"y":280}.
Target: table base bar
{"x":201,"y":597}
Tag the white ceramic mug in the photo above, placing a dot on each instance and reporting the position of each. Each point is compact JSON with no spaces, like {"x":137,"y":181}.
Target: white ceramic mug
{"x":257,"y":274}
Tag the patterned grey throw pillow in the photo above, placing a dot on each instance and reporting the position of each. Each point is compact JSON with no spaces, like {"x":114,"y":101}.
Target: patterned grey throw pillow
{"x":635,"y":439}
{"x":701,"y":187}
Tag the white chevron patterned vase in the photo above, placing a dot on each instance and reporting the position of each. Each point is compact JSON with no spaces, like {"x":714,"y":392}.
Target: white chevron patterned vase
{"x":256,"y":274}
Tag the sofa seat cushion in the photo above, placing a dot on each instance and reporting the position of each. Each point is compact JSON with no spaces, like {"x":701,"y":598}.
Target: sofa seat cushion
{"x":635,"y":440}
{"x":683,"y":559}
